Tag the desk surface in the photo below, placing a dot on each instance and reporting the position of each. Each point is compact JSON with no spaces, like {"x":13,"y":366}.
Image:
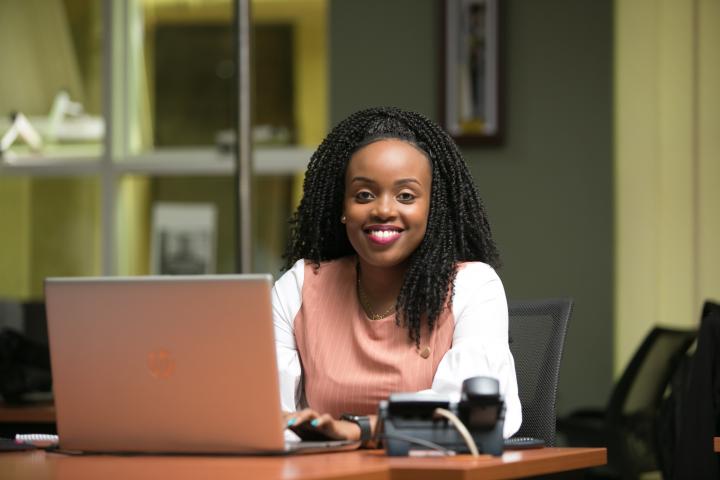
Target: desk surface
{"x":358,"y":465}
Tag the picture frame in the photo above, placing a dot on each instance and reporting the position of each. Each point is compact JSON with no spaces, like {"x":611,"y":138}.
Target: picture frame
{"x":471,"y":100}
{"x":183,"y":239}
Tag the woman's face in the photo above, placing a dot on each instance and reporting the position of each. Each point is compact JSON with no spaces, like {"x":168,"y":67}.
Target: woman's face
{"x":387,"y":201}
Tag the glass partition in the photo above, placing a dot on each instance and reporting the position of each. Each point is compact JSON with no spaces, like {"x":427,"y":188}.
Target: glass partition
{"x":180,"y":97}
{"x":155,"y":81}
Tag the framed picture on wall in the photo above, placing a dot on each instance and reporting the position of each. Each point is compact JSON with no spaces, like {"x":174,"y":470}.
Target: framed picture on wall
{"x":183,"y":239}
{"x":471,"y":73}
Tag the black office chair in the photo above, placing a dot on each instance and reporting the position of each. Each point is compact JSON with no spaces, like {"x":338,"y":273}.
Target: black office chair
{"x":698,"y":411}
{"x":24,"y":353}
{"x":627,"y":425}
{"x":537,"y":333}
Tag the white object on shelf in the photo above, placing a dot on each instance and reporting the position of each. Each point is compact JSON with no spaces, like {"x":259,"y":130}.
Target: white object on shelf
{"x":20,"y":127}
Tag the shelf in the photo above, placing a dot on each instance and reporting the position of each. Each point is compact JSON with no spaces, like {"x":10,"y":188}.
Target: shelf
{"x":46,"y":166}
{"x":170,"y":162}
{"x":56,"y":159}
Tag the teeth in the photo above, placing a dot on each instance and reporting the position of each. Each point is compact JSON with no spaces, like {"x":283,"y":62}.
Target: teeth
{"x":384,"y":234}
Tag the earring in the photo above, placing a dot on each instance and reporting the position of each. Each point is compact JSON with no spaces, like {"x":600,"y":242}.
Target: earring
{"x":343,"y":219}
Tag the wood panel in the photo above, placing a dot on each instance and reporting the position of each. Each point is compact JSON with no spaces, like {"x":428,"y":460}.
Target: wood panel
{"x":358,"y":465}
{"x":43,"y":413}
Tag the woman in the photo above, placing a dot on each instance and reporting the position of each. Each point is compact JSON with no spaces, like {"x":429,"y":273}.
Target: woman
{"x":391,"y":284}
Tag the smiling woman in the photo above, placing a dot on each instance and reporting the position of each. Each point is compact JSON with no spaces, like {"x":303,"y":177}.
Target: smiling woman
{"x":391,"y":284}
{"x":387,"y":200}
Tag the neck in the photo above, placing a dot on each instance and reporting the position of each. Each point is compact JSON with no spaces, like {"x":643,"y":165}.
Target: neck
{"x":381,"y":284}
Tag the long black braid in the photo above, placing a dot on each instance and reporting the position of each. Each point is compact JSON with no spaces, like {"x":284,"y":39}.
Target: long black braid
{"x":457,"y":228}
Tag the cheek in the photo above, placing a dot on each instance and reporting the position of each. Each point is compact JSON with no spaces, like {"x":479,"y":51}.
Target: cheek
{"x":347,"y":211}
{"x":350,"y":212}
{"x":423,"y":214}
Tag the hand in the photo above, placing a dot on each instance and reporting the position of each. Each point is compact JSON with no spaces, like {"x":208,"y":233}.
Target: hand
{"x":337,"y":429}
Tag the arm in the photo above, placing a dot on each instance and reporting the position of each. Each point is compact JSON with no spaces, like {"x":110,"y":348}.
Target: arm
{"x":480,"y":340}
{"x":286,"y":301}
{"x":334,"y":428}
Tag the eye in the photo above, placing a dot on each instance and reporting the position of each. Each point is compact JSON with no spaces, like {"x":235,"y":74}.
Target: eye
{"x":363,"y":196}
{"x":406,"y":197}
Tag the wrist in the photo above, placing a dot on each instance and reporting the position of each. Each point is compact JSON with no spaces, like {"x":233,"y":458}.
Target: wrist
{"x":354,"y":432}
{"x":364,"y":428}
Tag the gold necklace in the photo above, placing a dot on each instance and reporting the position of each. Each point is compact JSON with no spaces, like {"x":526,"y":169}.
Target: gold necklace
{"x":362,"y":296}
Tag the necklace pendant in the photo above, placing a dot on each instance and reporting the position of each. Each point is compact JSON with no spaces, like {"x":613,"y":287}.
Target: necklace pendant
{"x":365,"y":304}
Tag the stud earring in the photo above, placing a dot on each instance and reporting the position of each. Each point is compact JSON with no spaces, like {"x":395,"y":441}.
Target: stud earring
{"x":343,"y":219}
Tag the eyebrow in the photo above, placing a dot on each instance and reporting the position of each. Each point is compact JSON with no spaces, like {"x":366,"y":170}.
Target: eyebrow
{"x":402,"y":181}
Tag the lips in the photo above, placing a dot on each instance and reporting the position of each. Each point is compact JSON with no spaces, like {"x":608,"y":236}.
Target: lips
{"x":383,"y":234}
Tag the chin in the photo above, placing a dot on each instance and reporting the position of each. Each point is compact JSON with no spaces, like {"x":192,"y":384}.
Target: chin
{"x":392,"y":257}
{"x":383,"y":261}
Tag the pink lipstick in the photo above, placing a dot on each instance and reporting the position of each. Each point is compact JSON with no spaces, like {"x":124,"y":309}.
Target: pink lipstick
{"x":383,"y":234}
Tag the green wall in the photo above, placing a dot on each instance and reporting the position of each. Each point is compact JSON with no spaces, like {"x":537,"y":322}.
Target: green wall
{"x":65,"y":229}
{"x":49,"y":228}
{"x":548,"y":188}
{"x":15,"y":208}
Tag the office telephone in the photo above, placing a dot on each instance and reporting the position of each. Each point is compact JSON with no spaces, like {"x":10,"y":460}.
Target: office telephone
{"x":410,"y":421}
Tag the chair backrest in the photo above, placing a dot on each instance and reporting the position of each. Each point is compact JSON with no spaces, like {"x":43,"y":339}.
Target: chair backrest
{"x":700,"y":409}
{"x":641,"y":387}
{"x":633,"y":410}
{"x":537,"y":338}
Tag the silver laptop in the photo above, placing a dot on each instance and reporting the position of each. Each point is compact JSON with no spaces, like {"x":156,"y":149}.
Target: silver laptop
{"x":167,"y":364}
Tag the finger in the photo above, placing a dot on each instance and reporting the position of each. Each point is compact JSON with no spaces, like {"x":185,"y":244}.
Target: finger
{"x":302,"y":416}
{"x":323,"y":421}
{"x":289,"y":418}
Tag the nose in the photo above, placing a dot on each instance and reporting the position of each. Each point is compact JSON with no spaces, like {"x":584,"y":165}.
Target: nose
{"x":384,"y":208}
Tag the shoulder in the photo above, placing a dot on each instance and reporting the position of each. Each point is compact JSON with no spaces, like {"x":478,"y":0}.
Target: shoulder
{"x":304,"y":281}
{"x":293,"y":278}
{"x":474,"y":274}
{"x":305,"y":271}
{"x":477,"y":286}
{"x":329,"y":271}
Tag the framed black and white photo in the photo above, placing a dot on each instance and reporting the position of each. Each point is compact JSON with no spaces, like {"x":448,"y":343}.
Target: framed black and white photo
{"x":183,"y":239}
{"x":470,"y":97}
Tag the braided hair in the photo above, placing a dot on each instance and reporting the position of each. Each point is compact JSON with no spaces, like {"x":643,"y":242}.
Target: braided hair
{"x":457,"y":227}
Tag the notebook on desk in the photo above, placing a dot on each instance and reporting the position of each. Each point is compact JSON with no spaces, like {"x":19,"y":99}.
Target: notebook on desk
{"x":167,"y":364}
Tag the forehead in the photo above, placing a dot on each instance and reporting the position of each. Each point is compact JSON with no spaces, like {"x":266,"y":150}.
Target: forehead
{"x":389,"y":157}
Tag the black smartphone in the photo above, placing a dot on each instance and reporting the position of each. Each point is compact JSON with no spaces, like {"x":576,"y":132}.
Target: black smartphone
{"x":309,"y":433}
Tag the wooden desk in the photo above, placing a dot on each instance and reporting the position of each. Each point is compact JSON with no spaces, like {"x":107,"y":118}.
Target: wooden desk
{"x":513,"y":464}
{"x":358,"y":465}
{"x":39,"y":413}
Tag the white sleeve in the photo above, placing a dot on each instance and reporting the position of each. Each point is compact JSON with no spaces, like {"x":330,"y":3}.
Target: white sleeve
{"x":480,"y":340}
{"x":286,"y":301}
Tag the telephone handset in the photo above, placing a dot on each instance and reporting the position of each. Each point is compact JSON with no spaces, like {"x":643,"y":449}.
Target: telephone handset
{"x":410,"y":421}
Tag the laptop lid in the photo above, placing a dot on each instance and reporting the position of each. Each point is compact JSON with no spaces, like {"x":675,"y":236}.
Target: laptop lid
{"x":164,"y":364}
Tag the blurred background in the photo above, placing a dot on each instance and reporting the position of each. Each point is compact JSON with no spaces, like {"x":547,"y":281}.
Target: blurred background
{"x":603,"y":187}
